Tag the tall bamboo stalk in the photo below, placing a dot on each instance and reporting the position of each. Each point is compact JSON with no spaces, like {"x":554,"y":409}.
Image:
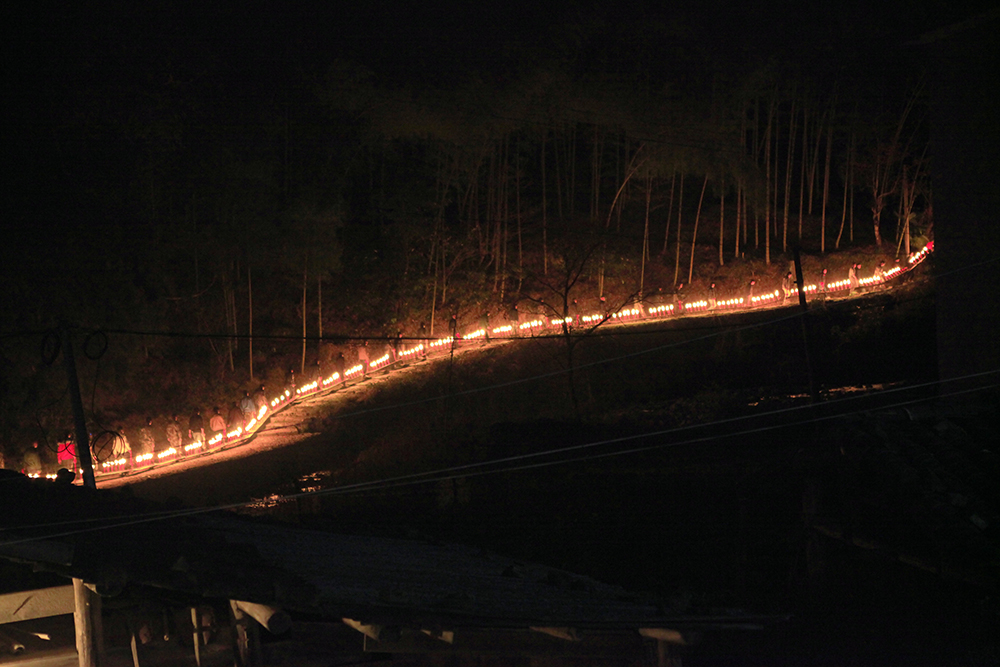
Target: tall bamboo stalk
{"x":680,"y":206}
{"x":545,"y":225}
{"x":670,"y":212}
{"x":722,"y":219}
{"x":814,"y":163}
{"x":739,"y":197}
{"x":788,"y":176}
{"x":305,"y":282}
{"x":826,"y":183}
{"x":767,"y":183}
{"x":802,"y":169}
{"x":645,"y":238}
{"x":694,"y":232}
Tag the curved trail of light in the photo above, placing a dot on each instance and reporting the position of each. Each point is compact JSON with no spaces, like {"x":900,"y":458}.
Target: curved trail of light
{"x":439,"y":347}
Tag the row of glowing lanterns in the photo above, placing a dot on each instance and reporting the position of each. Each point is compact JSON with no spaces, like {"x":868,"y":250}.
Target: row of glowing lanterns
{"x":149,"y":458}
{"x":424,"y":348}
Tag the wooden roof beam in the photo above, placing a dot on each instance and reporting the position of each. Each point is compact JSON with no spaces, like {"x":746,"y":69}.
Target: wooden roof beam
{"x":40,"y":603}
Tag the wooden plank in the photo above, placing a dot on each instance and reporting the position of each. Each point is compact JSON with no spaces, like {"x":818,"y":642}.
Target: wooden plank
{"x":40,"y":603}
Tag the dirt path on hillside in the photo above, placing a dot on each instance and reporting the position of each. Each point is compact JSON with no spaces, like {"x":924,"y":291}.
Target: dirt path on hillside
{"x":287,"y":427}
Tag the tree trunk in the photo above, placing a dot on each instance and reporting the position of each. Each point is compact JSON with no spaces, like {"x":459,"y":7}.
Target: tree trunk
{"x":559,"y":196}
{"x":756,"y":227}
{"x":767,"y":183}
{"x":680,"y":206}
{"x":756,"y":161}
{"x":645,"y":238}
{"x":595,"y":178}
{"x":746,"y":217}
{"x":788,"y":177}
{"x":434,"y":256}
{"x":722,"y":220}
{"x":802,"y":167}
{"x":739,"y":198}
{"x":571,"y":185}
{"x":694,"y":233}
{"x":847,"y":181}
{"x":305,"y":278}
{"x":899,"y":210}
{"x":229,"y":295}
{"x":814,"y":163}
{"x":517,"y":212}
{"x":775,"y":181}
{"x":545,"y":225}
{"x":670,"y":213}
{"x":826,"y":183}
{"x":851,"y":167}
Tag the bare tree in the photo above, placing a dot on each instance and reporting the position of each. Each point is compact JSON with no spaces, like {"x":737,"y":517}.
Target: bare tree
{"x":557,"y":300}
{"x":694,"y":232}
{"x":881,"y":165}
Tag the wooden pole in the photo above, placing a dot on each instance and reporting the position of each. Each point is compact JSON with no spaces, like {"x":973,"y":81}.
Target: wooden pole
{"x":87,"y":620}
{"x":196,"y":635}
{"x":80,"y":422}
{"x":247,"y":637}
{"x":813,"y":391}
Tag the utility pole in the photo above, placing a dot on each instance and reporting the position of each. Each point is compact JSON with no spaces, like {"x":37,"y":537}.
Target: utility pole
{"x":813,"y":391}
{"x":87,"y":603}
{"x":82,"y":438}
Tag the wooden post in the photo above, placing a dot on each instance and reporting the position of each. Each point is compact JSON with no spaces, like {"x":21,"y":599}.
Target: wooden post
{"x":274,"y":620}
{"x":196,"y":630}
{"x":806,"y":343}
{"x":87,"y":619}
{"x":82,"y":437}
{"x":246,"y":635}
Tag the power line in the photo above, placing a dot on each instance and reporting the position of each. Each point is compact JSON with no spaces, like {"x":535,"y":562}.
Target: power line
{"x":634,"y":450}
{"x":447,"y":473}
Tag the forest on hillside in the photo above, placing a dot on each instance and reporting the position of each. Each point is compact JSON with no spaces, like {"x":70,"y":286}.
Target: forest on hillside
{"x":217,"y":206}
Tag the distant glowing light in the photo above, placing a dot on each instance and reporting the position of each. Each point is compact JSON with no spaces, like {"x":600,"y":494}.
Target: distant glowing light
{"x":665,"y":309}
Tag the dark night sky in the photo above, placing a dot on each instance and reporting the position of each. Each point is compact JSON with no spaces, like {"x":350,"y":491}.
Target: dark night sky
{"x":55,"y":45}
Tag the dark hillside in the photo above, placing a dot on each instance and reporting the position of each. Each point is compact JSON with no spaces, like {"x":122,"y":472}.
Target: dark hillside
{"x":692,"y":467}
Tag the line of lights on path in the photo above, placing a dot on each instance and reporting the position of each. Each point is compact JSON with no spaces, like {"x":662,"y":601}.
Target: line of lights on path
{"x":428,"y":347}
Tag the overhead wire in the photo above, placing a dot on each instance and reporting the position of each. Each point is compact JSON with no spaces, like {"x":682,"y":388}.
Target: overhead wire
{"x":468,"y":470}
{"x":690,"y":441}
{"x":732,"y":420}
